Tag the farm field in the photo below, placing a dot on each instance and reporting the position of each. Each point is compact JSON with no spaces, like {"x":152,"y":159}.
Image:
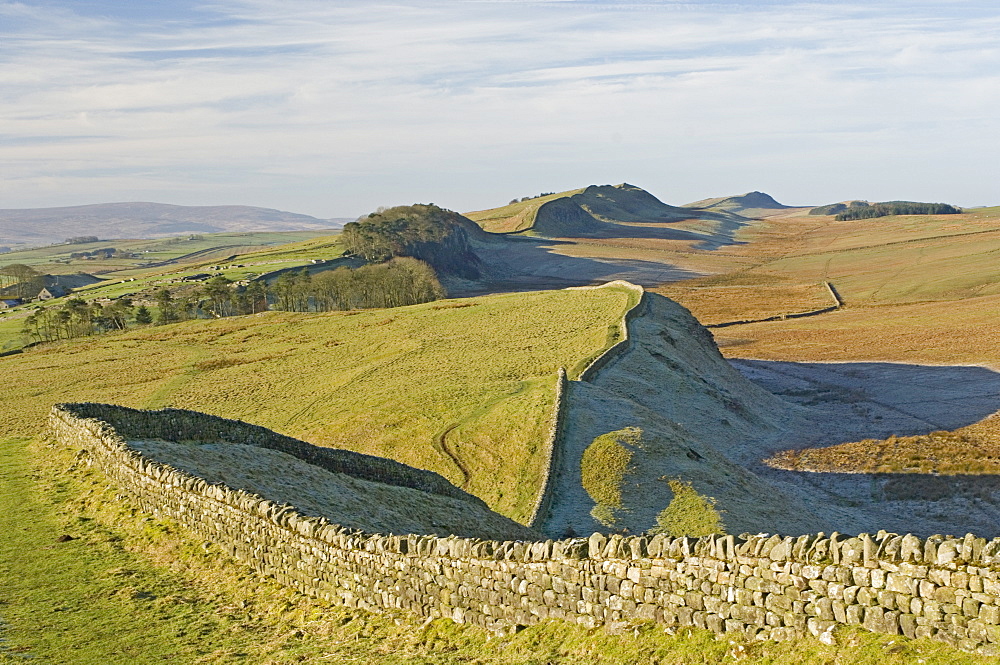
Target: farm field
{"x":916,"y":290}
{"x":721,"y":304}
{"x":189,"y":256}
{"x":962,"y":332}
{"x":463,"y":387}
{"x":195,"y":248}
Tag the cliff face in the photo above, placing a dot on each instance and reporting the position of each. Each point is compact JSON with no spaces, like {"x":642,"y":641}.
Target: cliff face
{"x":452,"y":254}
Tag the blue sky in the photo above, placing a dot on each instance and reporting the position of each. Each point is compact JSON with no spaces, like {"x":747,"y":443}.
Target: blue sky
{"x":335,"y":108}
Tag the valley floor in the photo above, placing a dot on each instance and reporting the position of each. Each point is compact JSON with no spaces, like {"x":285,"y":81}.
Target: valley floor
{"x":851,"y":401}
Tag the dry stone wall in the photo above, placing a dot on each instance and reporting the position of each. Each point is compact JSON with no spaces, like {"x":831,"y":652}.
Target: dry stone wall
{"x":761,"y":586}
{"x":830,"y":289}
{"x":551,"y":447}
{"x":623,"y":344}
{"x":550,"y":451}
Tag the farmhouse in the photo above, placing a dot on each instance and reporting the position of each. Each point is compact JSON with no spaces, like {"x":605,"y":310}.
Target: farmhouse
{"x":9,"y":303}
{"x":50,"y":292}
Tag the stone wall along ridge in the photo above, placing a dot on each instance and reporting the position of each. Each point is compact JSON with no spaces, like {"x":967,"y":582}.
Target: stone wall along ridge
{"x":762,"y":586}
{"x":552,"y":445}
{"x":624,"y":341}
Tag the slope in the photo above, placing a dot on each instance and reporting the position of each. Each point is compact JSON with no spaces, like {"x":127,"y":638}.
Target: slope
{"x":597,"y":211}
{"x":906,"y":282}
{"x":685,"y":414}
{"x":463,"y":388}
{"x":517,"y":215}
{"x":693,"y":411}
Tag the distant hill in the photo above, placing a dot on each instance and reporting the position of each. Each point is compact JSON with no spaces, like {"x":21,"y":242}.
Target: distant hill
{"x":592,"y":211}
{"x":46,"y":226}
{"x":751,"y":204}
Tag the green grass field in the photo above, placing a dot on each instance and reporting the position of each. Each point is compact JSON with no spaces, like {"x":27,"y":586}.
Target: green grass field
{"x":55,"y":259}
{"x":170,"y":260}
{"x":464,"y":388}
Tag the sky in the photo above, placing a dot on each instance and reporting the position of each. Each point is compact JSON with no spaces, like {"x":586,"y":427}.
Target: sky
{"x":334,"y":108}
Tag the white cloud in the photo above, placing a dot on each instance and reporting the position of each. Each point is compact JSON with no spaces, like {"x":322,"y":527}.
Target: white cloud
{"x":339,"y":107}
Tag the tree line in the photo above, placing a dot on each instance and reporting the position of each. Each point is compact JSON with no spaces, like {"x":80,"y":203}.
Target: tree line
{"x":398,"y":282}
{"x":78,"y":318}
{"x":862,"y":210}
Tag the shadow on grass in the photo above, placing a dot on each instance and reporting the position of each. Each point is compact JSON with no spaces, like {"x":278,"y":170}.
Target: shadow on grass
{"x":847,"y":402}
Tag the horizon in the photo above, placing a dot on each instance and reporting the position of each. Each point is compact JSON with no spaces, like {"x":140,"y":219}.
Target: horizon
{"x":470,"y":210}
{"x":334,"y":111}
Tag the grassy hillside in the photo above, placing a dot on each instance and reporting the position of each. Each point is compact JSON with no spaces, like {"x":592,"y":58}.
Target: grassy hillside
{"x":464,"y":388}
{"x":158,"y":263}
{"x":131,"y":588}
{"x":751,"y":204}
{"x":190,"y":248}
{"x":971,"y":450}
{"x":514,"y":217}
{"x":906,"y":282}
{"x":593,"y":211}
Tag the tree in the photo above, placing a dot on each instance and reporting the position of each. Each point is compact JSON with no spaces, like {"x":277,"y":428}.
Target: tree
{"x":142,"y":316}
{"x":80,"y":317}
{"x":285,"y":288}
{"x":24,"y":278}
{"x":167,"y":308}
{"x":117,"y":313}
{"x":256,"y":293}
{"x":219,"y":292}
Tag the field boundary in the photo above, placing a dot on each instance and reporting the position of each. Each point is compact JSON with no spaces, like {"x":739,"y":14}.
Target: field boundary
{"x":551,"y":452}
{"x":625,"y":341}
{"x":838,"y":303}
{"x":758,"y":586}
{"x":553,"y":444}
